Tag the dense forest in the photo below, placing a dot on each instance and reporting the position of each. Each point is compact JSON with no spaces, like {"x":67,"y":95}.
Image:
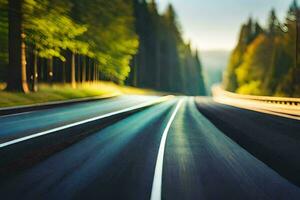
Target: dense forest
{"x":164,"y":61}
{"x":63,"y":41}
{"x":75,"y":41}
{"x":264,"y":61}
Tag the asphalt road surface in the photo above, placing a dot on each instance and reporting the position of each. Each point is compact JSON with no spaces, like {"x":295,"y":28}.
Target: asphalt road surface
{"x":19,"y":125}
{"x":184,"y":148}
{"x":272,"y":139}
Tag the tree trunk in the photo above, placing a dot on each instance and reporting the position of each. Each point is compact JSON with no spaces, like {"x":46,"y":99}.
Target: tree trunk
{"x":157,"y":66}
{"x":42,"y":70}
{"x":73,"y":74}
{"x":16,"y":79}
{"x":298,"y":39}
{"x":90,"y":70}
{"x":35,"y":72}
{"x":78,"y":68}
{"x":25,"y":87}
{"x":50,"y":71}
{"x":135,"y":71}
{"x":83,"y":73}
{"x":95,"y":72}
{"x":64,"y":72}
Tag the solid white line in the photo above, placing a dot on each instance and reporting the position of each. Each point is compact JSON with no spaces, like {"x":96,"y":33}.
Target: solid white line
{"x":157,"y":180}
{"x":54,"y":103}
{"x":15,"y":114}
{"x":83,"y":122}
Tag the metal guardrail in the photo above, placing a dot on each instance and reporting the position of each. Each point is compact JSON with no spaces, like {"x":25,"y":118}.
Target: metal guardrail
{"x":280,"y":105}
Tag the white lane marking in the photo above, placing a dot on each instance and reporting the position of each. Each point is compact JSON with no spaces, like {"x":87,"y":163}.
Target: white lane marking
{"x":157,"y":180}
{"x":54,"y":103}
{"x":15,"y":114}
{"x":142,"y":105}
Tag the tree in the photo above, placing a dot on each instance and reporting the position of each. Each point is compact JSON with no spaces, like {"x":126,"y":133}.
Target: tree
{"x":76,"y":41}
{"x":3,"y":38}
{"x":267,"y":63}
{"x":289,"y":84}
{"x":110,"y":35}
{"x":52,"y":32}
{"x":201,"y":90}
{"x":16,"y":78}
{"x":163,"y":62}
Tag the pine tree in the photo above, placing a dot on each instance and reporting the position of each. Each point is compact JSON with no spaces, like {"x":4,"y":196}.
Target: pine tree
{"x":267,"y":64}
{"x":163,"y":62}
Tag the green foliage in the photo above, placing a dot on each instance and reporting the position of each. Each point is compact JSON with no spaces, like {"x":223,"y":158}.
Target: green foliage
{"x":101,"y":30}
{"x":264,"y":61}
{"x":110,"y":34}
{"x":257,"y":56}
{"x":164,"y":62}
{"x":251,"y":87}
{"x":248,"y":33}
{"x":50,"y":29}
{"x":79,"y":40}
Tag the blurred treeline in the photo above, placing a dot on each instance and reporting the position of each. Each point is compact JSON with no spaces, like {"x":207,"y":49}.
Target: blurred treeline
{"x":164,"y":61}
{"x":264,"y":61}
{"x":74,"y":41}
{"x":65,"y":41}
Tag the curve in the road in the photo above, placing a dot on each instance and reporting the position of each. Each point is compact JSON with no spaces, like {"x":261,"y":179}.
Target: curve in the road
{"x":201,"y":162}
{"x":17,"y":126}
{"x":115,"y":163}
{"x":272,"y":139}
{"x":120,"y":161}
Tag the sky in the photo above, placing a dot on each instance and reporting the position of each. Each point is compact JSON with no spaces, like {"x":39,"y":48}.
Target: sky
{"x":215,"y":24}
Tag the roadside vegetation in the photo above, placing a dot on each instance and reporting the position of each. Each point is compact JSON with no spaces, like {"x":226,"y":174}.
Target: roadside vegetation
{"x":61,"y":92}
{"x":68,"y":43}
{"x":264,"y":61}
{"x":164,"y":61}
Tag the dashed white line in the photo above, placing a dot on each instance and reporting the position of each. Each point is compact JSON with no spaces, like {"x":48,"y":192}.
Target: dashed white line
{"x":157,"y":180}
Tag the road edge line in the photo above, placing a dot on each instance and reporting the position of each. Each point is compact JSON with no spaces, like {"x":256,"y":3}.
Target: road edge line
{"x":157,"y":180}
{"x":23,"y":109}
{"x":130,"y":109}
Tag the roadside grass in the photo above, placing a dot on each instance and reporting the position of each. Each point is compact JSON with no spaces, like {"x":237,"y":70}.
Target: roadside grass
{"x":60,"y":92}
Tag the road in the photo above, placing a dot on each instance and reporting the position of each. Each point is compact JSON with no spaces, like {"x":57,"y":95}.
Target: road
{"x":274,"y":140}
{"x":178,"y":149}
{"x":18,"y":125}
